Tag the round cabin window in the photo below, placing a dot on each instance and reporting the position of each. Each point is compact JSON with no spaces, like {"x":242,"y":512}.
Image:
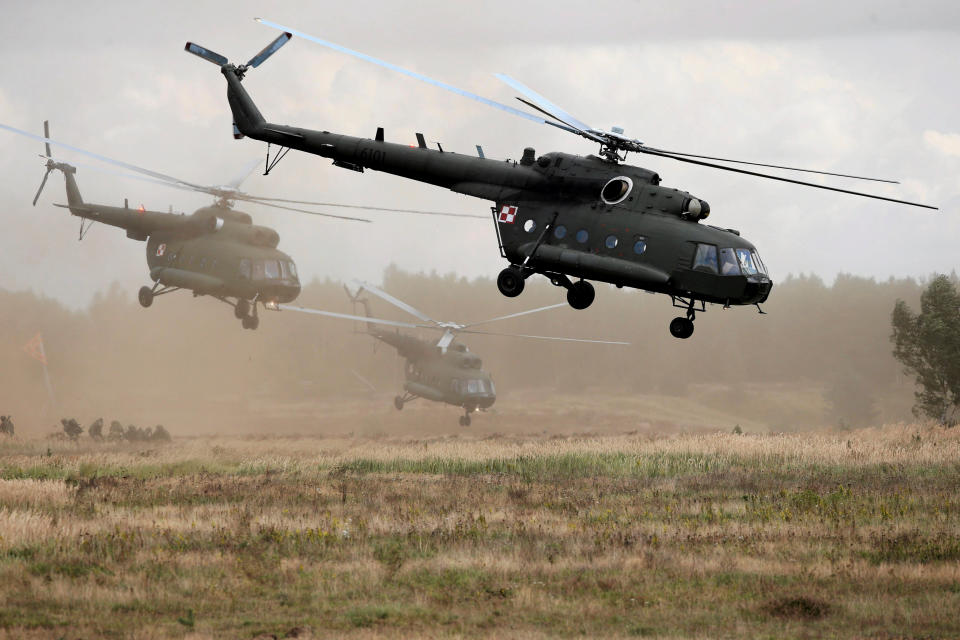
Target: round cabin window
{"x":529,"y":226}
{"x":611,"y":242}
{"x":616,"y":190}
{"x":582,"y":236}
{"x":560,"y":232}
{"x":639,"y":246}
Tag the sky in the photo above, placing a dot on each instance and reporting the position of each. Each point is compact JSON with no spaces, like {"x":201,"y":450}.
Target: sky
{"x":856,"y":87}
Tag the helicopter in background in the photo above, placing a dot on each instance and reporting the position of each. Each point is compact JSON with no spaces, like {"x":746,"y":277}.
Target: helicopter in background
{"x":444,"y":370}
{"x":567,"y":217}
{"x":216,"y":251}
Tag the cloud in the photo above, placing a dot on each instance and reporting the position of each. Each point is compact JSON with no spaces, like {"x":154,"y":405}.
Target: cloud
{"x":946,"y":143}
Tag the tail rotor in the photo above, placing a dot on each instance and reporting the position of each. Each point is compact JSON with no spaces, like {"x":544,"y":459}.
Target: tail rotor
{"x":50,"y":164}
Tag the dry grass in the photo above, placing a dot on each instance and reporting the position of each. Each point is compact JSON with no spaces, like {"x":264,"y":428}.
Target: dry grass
{"x":696,"y":535}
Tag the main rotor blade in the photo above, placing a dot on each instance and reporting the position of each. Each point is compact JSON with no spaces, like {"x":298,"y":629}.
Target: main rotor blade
{"x":772,"y":166}
{"x":347,"y":316}
{"x":400,"y":304}
{"x":548,"y":107}
{"x":523,"y":335}
{"x":244,"y":198}
{"x":236,"y":182}
{"x":206,"y":54}
{"x":781,"y":179}
{"x":119,"y":163}
{"x":46,"y":134}
{"x":42,"y":184}
{"x":560,"y":124}
{"x":516,"y":315}
{"x":269,"y":50}
{"x":407,"y":72}
{"x":371,"y":208}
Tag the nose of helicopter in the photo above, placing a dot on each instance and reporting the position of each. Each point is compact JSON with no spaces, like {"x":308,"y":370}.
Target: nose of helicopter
{"x":757,"y":290}
{"x":281,"y":292}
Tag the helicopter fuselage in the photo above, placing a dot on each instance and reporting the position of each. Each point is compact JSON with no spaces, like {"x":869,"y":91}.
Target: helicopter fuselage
{"x":216,"y":251}
{"x":559,"y":214}
{"x":453,"y":375}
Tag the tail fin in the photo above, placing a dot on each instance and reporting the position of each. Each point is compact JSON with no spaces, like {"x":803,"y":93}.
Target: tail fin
{"x":246,"y":116}
{"x":73,"y":192}
{"x":356,"y":299}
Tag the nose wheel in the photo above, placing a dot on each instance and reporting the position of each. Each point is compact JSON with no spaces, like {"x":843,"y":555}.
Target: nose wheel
{"x":465,"y":420}
{"x":247,"y":312}
{"x":681,"y":328}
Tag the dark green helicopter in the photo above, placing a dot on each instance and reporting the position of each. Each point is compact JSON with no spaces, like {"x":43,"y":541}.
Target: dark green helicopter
{"x":217,"y":251}
{"x":444,"y":370}
{"x":560,"y":215}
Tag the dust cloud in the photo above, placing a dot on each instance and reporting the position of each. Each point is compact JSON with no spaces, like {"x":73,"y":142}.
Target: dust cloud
{"x":820,"y":357}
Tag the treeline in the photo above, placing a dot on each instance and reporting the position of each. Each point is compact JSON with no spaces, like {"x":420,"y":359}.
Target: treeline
{"x":184,"y":354}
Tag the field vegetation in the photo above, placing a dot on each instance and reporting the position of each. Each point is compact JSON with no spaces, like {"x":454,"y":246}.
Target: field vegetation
{"x":825,"y":534}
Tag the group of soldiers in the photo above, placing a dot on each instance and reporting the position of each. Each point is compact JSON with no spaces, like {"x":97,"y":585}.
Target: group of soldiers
{"x":6,"y":425}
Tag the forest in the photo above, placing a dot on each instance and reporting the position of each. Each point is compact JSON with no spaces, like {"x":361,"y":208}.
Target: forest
{"x":820,"y":355}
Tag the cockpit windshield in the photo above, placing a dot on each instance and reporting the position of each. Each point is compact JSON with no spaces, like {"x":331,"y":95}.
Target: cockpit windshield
{"x":477,"y":386}
{"x":749,"y":262}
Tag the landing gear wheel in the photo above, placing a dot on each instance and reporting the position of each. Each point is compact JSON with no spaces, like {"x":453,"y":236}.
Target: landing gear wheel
{"x":681,"y":328}
{"x":510,"y":282}
{"x":241,"y":309}
{"x":464,"y":421}
{"x":250,"y":322}
{"x":580,"y":295}
{"x":398,"y":403}
{"x":145,"y":296}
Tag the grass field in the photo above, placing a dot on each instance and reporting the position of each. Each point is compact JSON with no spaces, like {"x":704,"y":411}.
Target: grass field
{"x":703,"y":535}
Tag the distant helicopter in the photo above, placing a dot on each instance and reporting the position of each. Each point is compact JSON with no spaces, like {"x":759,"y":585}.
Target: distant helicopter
{"x":560,"y":215}
{"x":442,"y":371}
{"x":216,"y":251}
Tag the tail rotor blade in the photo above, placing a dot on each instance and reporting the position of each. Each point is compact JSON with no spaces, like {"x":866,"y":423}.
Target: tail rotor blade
{"x":269,"y":50}
{"x":46,"y":134}
{"x":206,"y":54}
{"x":42,"y":184}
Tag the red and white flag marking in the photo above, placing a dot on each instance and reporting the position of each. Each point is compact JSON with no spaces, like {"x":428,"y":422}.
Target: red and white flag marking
{"x":508,"y":214}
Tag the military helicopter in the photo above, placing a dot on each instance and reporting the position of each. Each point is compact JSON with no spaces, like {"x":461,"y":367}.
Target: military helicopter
{"x":444,"y":370}
{"x":216,"y":251}
{"x":560,"y":215}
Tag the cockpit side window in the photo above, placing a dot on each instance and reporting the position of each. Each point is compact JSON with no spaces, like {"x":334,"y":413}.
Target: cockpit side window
{"x":271,"y":269}
{"x":728,"y":263}
{"x":706,"y":258}
{"x":757,"y":261}
{"x":746,"y":262}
